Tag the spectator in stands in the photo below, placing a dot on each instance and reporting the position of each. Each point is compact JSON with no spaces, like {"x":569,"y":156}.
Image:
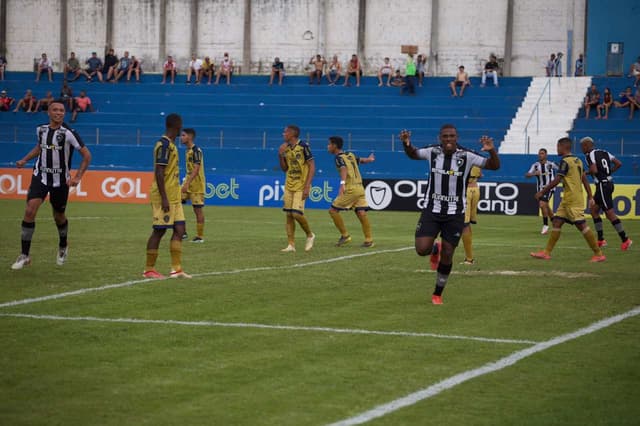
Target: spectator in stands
{"x":397,"y":80}
{"x":5,"y":101}
{"x":3,"y":66}
{"x":421,"y":68}
{"x":277,"y":68}
{"x":194,"y":67}
{"x":83,"y":104}
{"x":169,"y":68}
{"x":66,"y":95}
{"x":110,"y":62}
{"x":591,"y":101}
{"x":490,"y":69}
{"x":44,"y":65}
{"x":385,"y":72}
{"x":558,"y":65}
{"x":135,"y":68}
{"x":627,"y":100}
{"x":94,"y":67}
{"x":226,"y":69}
{"x":579,"y":72}
{"x":410,"y":76}
{"x":207,"y":69}
{"x":28,"y":103}
{"x":607,"y":101}
{"x":72,"y":66}
{"x":461,"y":80}
{"x":634,"y":71}
{"x":334,"y":71}
{"x":353,"y":70}
{"x":317,"y":70}
{"x":43,"y":104}
{"x":122,"y":67}
{"x":551,"y":65}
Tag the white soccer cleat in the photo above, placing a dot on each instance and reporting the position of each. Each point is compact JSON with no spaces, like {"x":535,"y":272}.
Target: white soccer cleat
{"x":22,"y":261}
{"x":62,"y":255}
{"x":545,"y":229}
{"x":179,"y":274}
{"x":288,"y":249}
{"x":309,"y":244}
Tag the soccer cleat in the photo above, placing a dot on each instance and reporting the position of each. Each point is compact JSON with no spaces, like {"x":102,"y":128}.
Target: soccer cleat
{"x":625,"y":246}
{"x":288,"y":248}
{"x":436,"y":300}
{"x":62,"y":255}
{"x":367,"y":244}
{"x":545,"y":229}
{"x":198,"y":240}
{"x":22,"y":261}
{"x":598,"y":258}
{"x":541,"y":255}
{"x":308,"y":245}
{"x":152,"y":273}
{"x":602,"y":243}
{"x":468,"y":262}
{"x":343,"y":241}
{"x":179,"y":274}
{"x":185,"y":236}
{"x":434,"y":259}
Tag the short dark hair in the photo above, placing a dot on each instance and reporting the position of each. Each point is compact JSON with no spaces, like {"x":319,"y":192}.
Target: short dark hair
{"x":190,"y":132}
{"x":448,"y":126}
{"x":543,"y":150}
{"x":565,"y":141}
{"x":295,"y":129}
{"x":173,"y":121}
{"x":337,"y":141}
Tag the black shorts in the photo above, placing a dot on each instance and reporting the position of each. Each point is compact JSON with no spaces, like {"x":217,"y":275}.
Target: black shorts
{"x":547,"y":195}
{"x":58,"y":196}
{"x":604,"y":195}
{"x":450,"y":226}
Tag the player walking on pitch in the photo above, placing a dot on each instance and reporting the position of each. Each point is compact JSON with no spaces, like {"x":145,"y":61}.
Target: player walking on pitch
{"x":194,"y":182}
{"x":544,"y":172}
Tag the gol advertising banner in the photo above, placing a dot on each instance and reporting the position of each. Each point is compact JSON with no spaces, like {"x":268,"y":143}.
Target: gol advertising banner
{"x":96,"y":186}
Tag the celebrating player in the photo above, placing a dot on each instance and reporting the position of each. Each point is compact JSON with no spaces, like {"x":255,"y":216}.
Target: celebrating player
{"x":194,"y":182}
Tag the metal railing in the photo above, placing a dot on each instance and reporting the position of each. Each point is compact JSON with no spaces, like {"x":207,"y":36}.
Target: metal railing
{"x":536,"y":111}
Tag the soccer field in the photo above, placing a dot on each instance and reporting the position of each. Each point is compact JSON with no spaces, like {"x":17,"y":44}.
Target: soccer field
{"x":260,"y":337}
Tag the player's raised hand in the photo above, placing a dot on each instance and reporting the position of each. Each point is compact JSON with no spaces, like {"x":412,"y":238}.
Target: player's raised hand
{"x":372,"y":157}
{"x":405,"y":137}
{"x":283,"y":148}
{"x":487,"y":143}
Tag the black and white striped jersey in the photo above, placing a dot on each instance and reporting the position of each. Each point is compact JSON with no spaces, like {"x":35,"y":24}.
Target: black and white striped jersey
{"x":547,"y":173}
{"x":53,"y":165}
{"x":447,"y":189}
{"x":604,"y":163}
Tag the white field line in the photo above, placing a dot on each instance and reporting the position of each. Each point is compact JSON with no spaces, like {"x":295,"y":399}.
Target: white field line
{"x":538,"y":274}
{"x":413,"y":398}
{"x":269,"y":327}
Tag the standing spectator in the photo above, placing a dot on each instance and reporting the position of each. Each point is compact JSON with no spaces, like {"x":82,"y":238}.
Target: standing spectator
{"x":5,"y":101}
{"x":66,"y":96}
{"x":94,"y":67}
{"x":461,"y":80}
{"x":135,"y":68}
{"x":591,"y":101}
{"x":226,"y":69}
{"x":43,"y":104}
{"x":410,"y":76}
{"x":421,"y":68}
{"x":634,"y":71}
{"x":194,"y":67}
{"x":83,"y":104}
{"x":277,"y":68}
{"x":544,"y":172}
{"x":579,"y":72}
{"x":317,"y":70}
{"x":297,"y":162}
{"x":550,"y":67}
{"x":122,"y":67}
{"x":558,"y":65}
{"x":72,"y":66}
{"x":110,"y":62}
{"x":385,"y":72}
{"x":607,"y":101}
{"x":169,"y":69}
{"x":353,"y":70}
{"x":334,"y":71}
{"x":28,"y":103}
{"x":207,"y":69}
{"x":44,"y":65}
{"x":491,"y":69}
{"x":3,"y":66}
{"x":51,"y":176}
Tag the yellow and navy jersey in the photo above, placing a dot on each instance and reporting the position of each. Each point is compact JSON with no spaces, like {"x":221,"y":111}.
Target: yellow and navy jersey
{"x":350,"y":161}
{"x":165,"y":153}
{"x":297,"y":157}
{"x":194,"y":157}
{"x":474,"y":174}
{"x":571,"y":170}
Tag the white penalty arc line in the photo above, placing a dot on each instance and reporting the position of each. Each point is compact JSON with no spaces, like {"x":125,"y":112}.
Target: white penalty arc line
{"x":268,"y":327}
{"x":413,"y":398}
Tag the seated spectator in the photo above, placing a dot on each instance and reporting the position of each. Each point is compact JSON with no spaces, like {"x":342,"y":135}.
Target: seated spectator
{"x":490,"y":69}
{"x":135,"y":68}
{"x":317,"y":70}
{"x":66,"y":95}
{"x":226,"y":69}
{"x":634,"y":71}
{"x":551,"y":66}
{"x":385,"y":72}
{"x":627,"y":100}
{"x":558,"y":65}
{"x":194,"y":67}
{"x":83,"y":104}
{"x":277,"y":68}
{"x":461,"y":81}
{"x":5,"y":101}
{"x":3,"y":66}
{"x":72,"y":66}
{"x":591,"y":101}
{"x":579,"y":72}
{"x":397,"y":80}
{"x":94,"y":67}
{"x":121,"y":67}
{"x":43,"y":104}
{"x":607,"y":101}
{"x":421,"y":68}
{"x":169,"y":69}
{"x":28,"y":103}
{"x":110,"y":62}
{"x":353,"y":70}
{"x":334,"y":71}
{"x":207,"y":69}
{"x":44,"y":65}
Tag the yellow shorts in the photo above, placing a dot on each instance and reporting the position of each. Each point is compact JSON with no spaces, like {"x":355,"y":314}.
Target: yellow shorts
{"x":164,"y":220}
{"x":293,"y":202}
{"x":196,"y":198}
{"x":471,"y":211}
{"x":570,"y":214}
{"x":350,"y":200}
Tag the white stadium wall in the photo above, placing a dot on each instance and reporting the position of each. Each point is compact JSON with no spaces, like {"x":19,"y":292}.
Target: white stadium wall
{"x":465,"y":32}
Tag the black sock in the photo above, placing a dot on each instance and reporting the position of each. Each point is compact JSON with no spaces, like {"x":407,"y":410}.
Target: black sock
{"x":62,"y":233}
{"x":441,"y":278}
{"x":545,"y":221}
{"x":618,"y":225}
{"x":27,"y":234}
{"x":597,"y":223}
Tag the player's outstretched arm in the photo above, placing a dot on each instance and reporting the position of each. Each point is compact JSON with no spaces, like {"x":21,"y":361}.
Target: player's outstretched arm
{"x":410,"y":150}
{"x":493,"y":163}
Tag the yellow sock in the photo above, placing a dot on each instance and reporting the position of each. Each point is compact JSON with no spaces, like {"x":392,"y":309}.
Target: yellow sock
{"x":338,"y":222}
{"x":366,"y":227}
{"x":200,"y":229}
{"x":553,"y":239}
{"x":588,"y":235}
{"x":175,"y":248}
{"x":467,"y":241}
{"x":303,"y":223}
{"x":152,"y":256}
